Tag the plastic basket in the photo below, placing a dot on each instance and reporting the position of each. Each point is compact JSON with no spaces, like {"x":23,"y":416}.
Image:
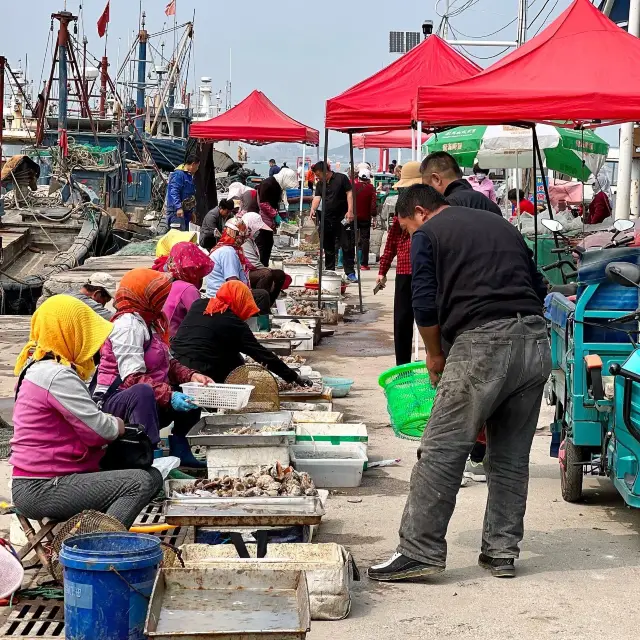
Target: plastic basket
{"x":410,"y":397}
{"x":219,"y":396}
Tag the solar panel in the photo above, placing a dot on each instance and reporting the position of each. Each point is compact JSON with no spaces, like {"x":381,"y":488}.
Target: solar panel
{"x":412,"y":39}
{"x":396,"y":42}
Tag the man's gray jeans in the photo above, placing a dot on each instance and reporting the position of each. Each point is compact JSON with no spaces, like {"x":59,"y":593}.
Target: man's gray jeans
{"x":494,"y":374}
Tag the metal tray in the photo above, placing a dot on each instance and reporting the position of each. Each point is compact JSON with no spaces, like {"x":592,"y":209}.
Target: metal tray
{"x":228,"y":604}
{"x":325,"y":393}
{"x":243,"y":512}
{"x":209,"y":431}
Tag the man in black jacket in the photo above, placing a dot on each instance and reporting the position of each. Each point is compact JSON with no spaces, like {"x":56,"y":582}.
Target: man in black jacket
{"x":441,"y":171}
{"x":476,"y":286}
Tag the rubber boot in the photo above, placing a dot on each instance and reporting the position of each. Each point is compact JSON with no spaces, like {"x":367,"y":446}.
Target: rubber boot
{"x":179,"y":447}
{"x":339,"y":265}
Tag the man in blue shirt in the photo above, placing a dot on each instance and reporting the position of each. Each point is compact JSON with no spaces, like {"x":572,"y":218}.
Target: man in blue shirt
{"x":273,"y":168}
{"x":181,"y":193}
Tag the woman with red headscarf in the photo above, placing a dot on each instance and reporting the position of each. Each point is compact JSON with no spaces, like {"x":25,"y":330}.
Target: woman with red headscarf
{"x":136,"y":354}
{"x":214,"y":334}
{"x":188,"y":265}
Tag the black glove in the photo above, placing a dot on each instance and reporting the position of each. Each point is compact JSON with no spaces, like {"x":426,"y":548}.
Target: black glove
{"x":303,"y":381}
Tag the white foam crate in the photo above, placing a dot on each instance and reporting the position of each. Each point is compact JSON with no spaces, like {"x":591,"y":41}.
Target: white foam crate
{"x":342,"y":466}
{"x":299,"y":273}
{"x":238,"y":461}
{"x":219,"y":396}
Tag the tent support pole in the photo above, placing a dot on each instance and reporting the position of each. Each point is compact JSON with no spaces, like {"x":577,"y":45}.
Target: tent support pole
{"x":356,"y":233}
{"x":302,"y":175}
{"x":545,"y":183}
{"x":419,"y":141}
{"x":413,"y":145}
{"x":322,"y":214}
{"x":535,"y":197}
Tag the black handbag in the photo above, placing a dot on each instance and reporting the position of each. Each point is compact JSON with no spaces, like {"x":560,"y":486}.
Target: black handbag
{"x":133,"y":450}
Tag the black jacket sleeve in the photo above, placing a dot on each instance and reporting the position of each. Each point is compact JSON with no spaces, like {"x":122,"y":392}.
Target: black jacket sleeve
{"x":252,"y":348}
{"x":424,"y":284}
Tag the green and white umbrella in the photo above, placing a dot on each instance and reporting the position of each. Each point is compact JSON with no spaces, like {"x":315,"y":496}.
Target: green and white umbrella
{"x":509,"y":147}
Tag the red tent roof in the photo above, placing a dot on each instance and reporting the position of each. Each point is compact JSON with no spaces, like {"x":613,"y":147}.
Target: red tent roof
{"x":400,"y":139}
{"x":255,"y":120}
{"x":383,"y":101}
{"x":582,"y":68}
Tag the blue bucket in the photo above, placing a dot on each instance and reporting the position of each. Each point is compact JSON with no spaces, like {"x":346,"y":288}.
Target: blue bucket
{"x":108,"y":579}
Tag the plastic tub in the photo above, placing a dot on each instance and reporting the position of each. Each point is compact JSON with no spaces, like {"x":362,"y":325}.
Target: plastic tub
{"x":330,"y":466}
{"x":108,"y":578}
{"x":340,"y":386}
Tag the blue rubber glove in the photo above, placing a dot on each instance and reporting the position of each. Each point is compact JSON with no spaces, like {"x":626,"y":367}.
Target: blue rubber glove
{"x":278,"y":220}
{"x":182,"y":402}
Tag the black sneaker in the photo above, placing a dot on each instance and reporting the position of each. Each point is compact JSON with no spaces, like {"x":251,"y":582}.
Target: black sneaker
{"x":399,"y":567}
{"x":500,"y":567}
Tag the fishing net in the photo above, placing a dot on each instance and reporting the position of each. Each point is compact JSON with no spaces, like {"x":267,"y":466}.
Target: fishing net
{"x":85,"y":522}
{"x":93,"y":522}
{"x":6,"y":433}
{"x":144,"y":248}
{"x":264,"y":396}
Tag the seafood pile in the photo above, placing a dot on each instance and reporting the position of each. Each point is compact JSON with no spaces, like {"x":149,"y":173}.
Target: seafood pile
{"x":275,"y":481}
{"x":308,"y":293}
{"x":276,"y":333}
{"x":293,"y":360}
{"x":253,"y":430}
{"x":301,"y":260}
{"x":292,"y":387}
{"x":303,"y":309}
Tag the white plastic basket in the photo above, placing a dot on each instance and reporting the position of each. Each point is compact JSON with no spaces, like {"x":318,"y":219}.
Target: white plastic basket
{"x":219,"y":396}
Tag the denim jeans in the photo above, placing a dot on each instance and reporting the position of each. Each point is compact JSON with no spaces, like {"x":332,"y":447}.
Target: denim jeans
{"x":494,"y":374}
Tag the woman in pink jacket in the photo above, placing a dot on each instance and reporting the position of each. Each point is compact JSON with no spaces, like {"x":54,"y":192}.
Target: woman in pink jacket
{"x":60,"y":434}
{"x":481,"y":182}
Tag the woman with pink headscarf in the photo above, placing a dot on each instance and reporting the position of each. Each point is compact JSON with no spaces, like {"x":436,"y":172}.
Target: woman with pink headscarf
{"x":261,"y":276}
{"x":188,"y":265}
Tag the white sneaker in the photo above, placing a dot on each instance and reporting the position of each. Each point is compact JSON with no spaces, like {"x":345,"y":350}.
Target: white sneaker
{"x":475,"y":471}
{"x":464,"y":482}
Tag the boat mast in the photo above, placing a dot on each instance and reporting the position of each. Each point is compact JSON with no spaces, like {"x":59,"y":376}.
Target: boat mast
{"x":63,"y":40}
{"x":142,"y":74}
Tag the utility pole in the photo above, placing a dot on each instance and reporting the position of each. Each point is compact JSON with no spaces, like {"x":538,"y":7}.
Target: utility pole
{"x":445,"y":24}
{"x":623,"y":195}
{"x":522,"y":22}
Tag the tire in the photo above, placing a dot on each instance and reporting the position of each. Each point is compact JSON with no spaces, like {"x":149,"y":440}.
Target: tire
{"x":571,"y":474}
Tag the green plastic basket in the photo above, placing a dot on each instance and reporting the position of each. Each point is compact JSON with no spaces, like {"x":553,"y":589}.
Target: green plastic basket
{"x":410,"y":397}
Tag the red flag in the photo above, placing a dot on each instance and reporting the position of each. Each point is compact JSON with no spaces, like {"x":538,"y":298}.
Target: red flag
{"x":103,"y":21}
{"x":170,"y":9}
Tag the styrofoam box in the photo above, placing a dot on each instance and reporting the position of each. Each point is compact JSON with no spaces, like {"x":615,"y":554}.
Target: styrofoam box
{"x":342,"y":467}
{"x":238,"y":461}
{"x":327,"y":567}
{"x":331,"y":433}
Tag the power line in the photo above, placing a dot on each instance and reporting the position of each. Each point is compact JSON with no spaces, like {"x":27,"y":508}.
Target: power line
{"x":486,"y":35}
{"x":473,"y":55}
{"x":547,"y":18}
{"x":544,"y":6}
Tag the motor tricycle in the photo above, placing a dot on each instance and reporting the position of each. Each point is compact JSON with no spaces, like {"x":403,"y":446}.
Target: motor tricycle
{"x":595,"y":379}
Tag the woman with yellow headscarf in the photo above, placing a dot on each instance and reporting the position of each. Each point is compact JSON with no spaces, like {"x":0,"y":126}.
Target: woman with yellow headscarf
{"x":60,"y":433}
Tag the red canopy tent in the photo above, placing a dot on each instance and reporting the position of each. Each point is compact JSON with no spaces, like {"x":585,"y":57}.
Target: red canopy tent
{"x":255,"y":120}
{"x":383,"y":101}
{"x":530,"y":85}
{"x":401,"y":139}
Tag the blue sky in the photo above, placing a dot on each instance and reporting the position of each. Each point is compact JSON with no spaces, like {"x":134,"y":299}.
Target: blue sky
{"x":298,"y":53}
